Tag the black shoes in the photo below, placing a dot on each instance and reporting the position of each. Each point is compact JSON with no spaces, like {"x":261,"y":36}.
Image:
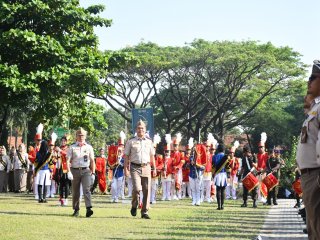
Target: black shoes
{"x":75,"y":213}
{"x":89,"y":212}
{"x":145,"y":216}
{"x":244,"y":204}
{"x":133,"y":212}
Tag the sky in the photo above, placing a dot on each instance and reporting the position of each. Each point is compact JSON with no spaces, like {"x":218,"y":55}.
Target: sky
{"x":292,"y":23}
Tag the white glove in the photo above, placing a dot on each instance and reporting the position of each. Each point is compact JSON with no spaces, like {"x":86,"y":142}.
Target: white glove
{"x":92,"y":178}
{"x":70,"y":176}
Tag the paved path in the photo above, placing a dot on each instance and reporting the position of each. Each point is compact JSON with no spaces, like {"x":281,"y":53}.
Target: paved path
{"x":283,"y":223}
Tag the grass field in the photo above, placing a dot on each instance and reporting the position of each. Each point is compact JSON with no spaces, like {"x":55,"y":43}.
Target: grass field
{"x":21,"y":217}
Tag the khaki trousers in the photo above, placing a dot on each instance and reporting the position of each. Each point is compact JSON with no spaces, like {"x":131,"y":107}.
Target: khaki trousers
{"x":141,"y":180}
{"x":84,"y":177}
{"x":310,"y":183}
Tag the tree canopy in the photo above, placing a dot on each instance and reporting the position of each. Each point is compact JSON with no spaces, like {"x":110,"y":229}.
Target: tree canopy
{"x":49,"y":59}
{"x":204,"y":86}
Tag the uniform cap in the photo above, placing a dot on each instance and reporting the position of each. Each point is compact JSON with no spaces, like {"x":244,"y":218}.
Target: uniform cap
{"x":81,"y":131}
{"x":316,"y":67}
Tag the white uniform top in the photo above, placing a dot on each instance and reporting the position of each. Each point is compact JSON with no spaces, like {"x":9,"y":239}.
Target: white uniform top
{"x":308,"y":152}
{"x":139,"y":150}
{"x":17,"y":163}
{"x":80,"y":156}
{"x":6,"y":159}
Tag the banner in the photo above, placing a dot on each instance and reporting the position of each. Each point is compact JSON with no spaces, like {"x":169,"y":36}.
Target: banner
{"x":146,"y":115}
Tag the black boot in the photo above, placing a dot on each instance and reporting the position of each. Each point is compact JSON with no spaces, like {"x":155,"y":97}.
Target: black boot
{"x":219,"y":198}
{"x":255,"y":204}
{"x":44,"y":194}
{"x":222,"y":202}
{"x":244,"y":204}
{"x":40,"y":200}
{"x":275,"y":201}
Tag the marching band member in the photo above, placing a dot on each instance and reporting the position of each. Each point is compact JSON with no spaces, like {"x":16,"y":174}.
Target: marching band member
{"x":32,"y":158}
{"x":20,"y":166}
{"x":101,"y":164}
{"x":207,"y":175}
{"x":197,"y":165}
{"x":185,"y":189}
{"x":158,"y":166}
{"x":177,"y":162}
{"x":166,"y":174}
{"x":248,"y":163}
{"x":118,"y":173}
{"x":62,"y":172}
{"x":4,"y":169}
{"x":273,"y":166}
{"x":219,"y":168}
{"x":262,"y":157}
{"x":38,"y":139}
{"x":234,"y":164}
{"x":43,"y":167}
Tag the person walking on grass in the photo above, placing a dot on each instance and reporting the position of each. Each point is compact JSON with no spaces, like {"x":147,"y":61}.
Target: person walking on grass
{"x":139,"y":153}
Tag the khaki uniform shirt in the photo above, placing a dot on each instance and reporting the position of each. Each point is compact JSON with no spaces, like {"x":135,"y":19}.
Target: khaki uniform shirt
{"x":308,"y":150}
{"x":80,"y":156}
{"x":6,"y":159}
{"x":139,"y":150}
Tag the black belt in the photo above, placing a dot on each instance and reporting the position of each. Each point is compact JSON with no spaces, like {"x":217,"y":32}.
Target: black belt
{"x":80,"y":168}
{"x":140,"y":164}
{"x":309,"y":170}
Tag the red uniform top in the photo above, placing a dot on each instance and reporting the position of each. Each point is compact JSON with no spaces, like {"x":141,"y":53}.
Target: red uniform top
{"x":168,"y":165}
{"x":101,"y":164}
{"x":186,"y":169}
{"x":63,"y":153}
{"x":208,"y":167}
{"x":262,"y":161}
{"x":32,"y":155}
{"x":177,"y":161}
{"x":234,"y":166}
{"x":159,"y":165}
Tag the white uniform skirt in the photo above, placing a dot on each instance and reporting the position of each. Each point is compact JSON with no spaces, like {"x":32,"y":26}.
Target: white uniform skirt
{"x":43,"y":175}
{"x":220,"y":179}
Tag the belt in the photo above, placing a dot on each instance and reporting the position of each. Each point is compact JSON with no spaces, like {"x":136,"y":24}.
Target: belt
{"x":80,"y":168}
{"x":309,"y":170}
{"x":140,"y":164}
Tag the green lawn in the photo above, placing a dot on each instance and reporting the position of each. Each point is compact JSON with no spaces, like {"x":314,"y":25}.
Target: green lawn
{"x":22,"y":217}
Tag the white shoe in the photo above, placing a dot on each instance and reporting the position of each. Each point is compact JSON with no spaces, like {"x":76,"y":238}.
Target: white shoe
{"x":198,"y":203}
{"x":193,"y":203}
{"x":36,"y":197}
{"x":65,"y":202}
{"x":163,"y":199}
{"x":52,"y":195}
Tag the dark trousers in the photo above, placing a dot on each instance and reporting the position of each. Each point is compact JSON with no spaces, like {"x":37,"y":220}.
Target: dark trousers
{"x":310,"y":183}
{"x":253,"y":194}
{"x":64,"y":186}
{"x":272,"y":194}
{"x":220,"y":195}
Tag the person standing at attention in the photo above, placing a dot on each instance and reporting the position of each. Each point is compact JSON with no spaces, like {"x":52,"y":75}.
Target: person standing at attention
{"x":139,"y":153}
{"x":308,"y":156}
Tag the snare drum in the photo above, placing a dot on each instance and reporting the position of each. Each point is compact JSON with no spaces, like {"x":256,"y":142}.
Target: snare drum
{"x":250,"y":181}
{"x":296,"y":185}
{"x":270,"y":181}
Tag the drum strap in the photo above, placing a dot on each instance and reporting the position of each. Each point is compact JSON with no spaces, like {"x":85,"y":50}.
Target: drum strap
{"x":248,"y":165}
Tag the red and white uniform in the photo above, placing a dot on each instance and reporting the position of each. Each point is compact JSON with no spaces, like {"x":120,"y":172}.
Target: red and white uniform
{"x":177,"y":163}
{"x":207,"y":179}
{"x":185,"y":177}
{"x":166,"y":177}
{"x":155,"y":178}
{"x":234,"y":164}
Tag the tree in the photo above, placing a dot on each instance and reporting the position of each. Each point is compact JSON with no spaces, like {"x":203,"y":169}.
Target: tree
{"x":49,"y":59}
{"x":207,"y":86}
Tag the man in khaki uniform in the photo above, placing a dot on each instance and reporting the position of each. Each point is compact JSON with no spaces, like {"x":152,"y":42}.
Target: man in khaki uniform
{"x":308,"y":156}
{"x":80,"y":160}
{"x":139,"y":153}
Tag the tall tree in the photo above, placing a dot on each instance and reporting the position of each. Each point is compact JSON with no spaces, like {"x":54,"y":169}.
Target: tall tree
{"x":49,"y":58}
{"x":206,"y":86}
